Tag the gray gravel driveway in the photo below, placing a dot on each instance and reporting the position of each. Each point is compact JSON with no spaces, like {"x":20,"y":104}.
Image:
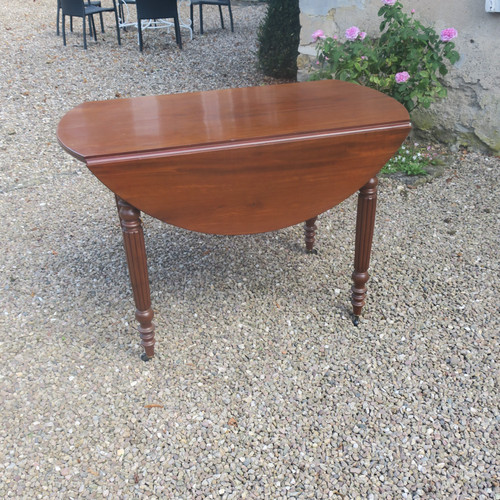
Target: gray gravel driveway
{"x":262,"y":388}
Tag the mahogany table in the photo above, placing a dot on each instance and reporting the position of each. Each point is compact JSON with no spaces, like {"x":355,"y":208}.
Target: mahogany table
{"x":238,"y":161}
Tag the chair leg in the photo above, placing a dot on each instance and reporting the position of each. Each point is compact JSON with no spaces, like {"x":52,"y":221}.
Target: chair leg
{"x":121,"y":14}
{"x":231,"y":17}
{"x":201,"y":19}
{"x":92,"y":30}
{"x":71,"y":23}
{"x":221,"y":18}
{"x":191,"y":15}
{"x":84,"y":33}
{"x":64,"y":29}
{"x":117,"y":28}
{"x":178,"y":32}
{"x":139,"y":31}
{"x":102,"y":22}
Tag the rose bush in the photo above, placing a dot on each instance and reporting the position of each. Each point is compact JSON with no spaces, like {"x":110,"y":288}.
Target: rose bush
{"x":406,"y":61}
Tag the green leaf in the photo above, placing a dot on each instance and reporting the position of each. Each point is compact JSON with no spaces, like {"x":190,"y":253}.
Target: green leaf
{"x":404,"y":45}
{"x":442,"y":92}
{"x":454,"y":57}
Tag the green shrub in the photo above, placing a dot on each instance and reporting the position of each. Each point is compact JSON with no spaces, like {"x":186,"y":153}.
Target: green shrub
{"x":406,"y":62}
{"x":412,"y":159}
{"x":278,"y":38}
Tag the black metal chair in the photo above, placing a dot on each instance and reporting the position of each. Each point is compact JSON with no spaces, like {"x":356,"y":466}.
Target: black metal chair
{"x":122,"y":6}
{"x":78,"y":8}
{"x":219,"y":3}
{"x":158,"y":9}
{"x":90,"y":2}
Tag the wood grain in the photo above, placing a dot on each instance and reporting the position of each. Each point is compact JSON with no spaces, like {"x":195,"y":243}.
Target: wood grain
{"x":365,"y":225}
{"x":135,"y":250}
{"x":223,"y":117}
{"x":238,"y":161}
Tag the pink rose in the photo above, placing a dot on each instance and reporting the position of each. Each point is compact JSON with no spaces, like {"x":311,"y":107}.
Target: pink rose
{"x":413,"y":11}
{"x":389,"y":2}
{"x":402,"y":77}
{"x":318,"y":34}
{"x":352,"y":33}
{"x":362,"y":35}
{"x":448,"y":34}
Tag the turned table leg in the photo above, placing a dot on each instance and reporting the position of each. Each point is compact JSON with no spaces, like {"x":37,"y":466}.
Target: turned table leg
{"x":135,"y":249}
{"x":310,"y":233}
{"x":365,"y":222}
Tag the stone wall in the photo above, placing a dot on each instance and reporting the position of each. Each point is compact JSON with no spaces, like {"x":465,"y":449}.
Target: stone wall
{"x":470,"y":115}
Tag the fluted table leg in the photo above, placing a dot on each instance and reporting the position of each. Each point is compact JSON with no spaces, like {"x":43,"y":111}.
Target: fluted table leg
{"x":135,"y":249}
{"x":365,"y":222}
{"x":310,"y":233}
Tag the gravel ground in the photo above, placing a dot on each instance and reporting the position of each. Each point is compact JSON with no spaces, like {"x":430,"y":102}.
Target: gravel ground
{"x":262,"y":388}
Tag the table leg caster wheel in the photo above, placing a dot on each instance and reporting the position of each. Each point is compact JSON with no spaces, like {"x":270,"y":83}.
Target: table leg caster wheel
{"x":145,"y":357}
{"x":355,"y":320}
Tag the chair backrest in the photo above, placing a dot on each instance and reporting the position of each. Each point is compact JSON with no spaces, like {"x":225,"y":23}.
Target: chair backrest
{"x":73,"y":7}
{"x":156,"y":9}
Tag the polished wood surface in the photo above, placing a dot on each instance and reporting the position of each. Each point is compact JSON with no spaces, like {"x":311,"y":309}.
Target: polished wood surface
{"x":238,"y":161}
{"x":365,"y":225}
{"x":135,"y":250}
{"x":310,"y":233}
{"x":201,"y":119}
